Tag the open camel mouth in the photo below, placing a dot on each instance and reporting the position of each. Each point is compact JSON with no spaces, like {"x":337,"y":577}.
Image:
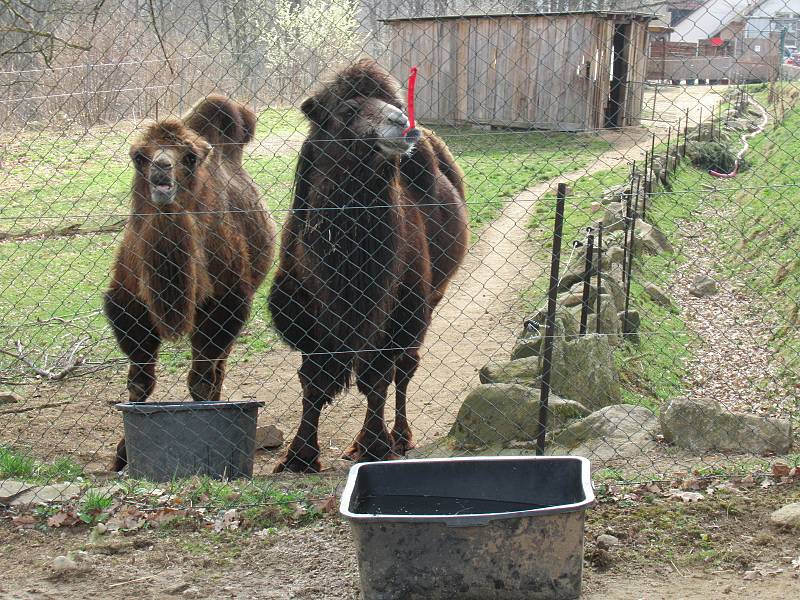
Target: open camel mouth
{"x":399,"y":142}
{"x":162,"y":193}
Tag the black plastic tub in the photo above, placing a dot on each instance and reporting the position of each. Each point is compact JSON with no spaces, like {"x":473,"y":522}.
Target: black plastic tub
{"x":173,"y":440}
{"x":469,"y":528}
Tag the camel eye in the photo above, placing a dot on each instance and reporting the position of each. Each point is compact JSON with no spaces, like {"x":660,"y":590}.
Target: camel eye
{"x":139,"y":160}
{"x":190,"y":160}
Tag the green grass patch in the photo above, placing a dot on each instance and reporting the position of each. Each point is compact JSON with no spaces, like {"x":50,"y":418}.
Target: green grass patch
{"x":280,"y":121}
{"x":15,"y":464}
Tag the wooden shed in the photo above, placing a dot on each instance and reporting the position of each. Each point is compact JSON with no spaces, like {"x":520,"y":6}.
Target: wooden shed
{"x":564,"y":71}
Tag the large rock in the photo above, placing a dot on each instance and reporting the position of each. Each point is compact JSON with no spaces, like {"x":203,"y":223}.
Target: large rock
{"x":610,"y":324}
{"x":9,"y":397}
{"x":47,"y":494}
{"x":526,"y":347}
{"x":584,"y":370}
{"x":268,"y":436}
{"x":657,"y":295}
{"x":613,"y":255}
{"x":613,"y":217}
{"x":699,"y":424}
{"x":502,"y":413}
{"x":787,"y":516}
{"x":611,"y":425}
{"x":525,"y":371}
{"x":651,"y":239}
{"x":703,"y":286}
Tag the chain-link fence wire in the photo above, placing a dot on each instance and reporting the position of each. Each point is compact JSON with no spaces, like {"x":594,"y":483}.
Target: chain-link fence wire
{"x":295,"y":241}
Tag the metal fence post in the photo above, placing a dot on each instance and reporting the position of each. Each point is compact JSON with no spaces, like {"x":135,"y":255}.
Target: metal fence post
{"x":587,"y":281}
{"x":599,"y":272}
{"x":550,"y":324}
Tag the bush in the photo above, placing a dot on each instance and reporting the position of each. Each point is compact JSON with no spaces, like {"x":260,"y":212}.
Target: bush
{"x":717,"y":156}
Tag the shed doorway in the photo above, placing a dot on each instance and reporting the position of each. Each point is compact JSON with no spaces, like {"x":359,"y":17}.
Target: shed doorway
{"x":615,"y":109}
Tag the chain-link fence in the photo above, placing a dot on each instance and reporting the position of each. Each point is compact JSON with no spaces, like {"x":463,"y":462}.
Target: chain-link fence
{"x":232,"y":201}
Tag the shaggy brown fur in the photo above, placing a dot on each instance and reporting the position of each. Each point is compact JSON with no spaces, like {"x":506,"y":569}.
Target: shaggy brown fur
{"x":197,"y":245}
{"x":377,"y":230}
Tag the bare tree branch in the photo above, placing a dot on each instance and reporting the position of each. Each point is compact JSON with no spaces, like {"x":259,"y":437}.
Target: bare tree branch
{"x":71,"y":362}
{"x":158,"y":35}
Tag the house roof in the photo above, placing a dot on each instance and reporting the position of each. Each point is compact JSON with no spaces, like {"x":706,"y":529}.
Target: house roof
{"x":712,"y":17}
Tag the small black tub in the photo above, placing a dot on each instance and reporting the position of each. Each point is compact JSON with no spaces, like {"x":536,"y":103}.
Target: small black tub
{"x":174,"y":440}
{"x":470,"y":528}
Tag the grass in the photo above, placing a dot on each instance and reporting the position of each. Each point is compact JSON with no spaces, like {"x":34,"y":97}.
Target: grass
{"x":51,"y":286}
{"x":15,"y":464}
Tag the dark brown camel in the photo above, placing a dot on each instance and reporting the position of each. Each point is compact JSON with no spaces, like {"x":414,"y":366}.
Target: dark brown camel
{"x":197,"y":245}
{"x":377,"y":229}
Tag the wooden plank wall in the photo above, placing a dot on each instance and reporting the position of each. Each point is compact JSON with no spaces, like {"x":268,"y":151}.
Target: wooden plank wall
{"x":548,"y":72}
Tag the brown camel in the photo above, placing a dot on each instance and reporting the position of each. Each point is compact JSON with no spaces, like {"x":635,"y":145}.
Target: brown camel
{"x":377,"y":229}
{"x":197,"y":245}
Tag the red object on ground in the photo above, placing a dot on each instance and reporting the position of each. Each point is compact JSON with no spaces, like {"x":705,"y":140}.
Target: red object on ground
{"x":716,"y":41}
{"x":412,"y":82}
{"x":730,"y":175}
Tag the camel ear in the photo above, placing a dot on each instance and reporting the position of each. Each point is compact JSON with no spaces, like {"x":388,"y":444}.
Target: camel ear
{"x":310,"y":108}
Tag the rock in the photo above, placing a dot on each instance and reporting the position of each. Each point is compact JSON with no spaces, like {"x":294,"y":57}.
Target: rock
{"x":566,"y":324}
{"x":657,"y":295}
{"x":606,"y":541}
{"x":507,"y":412}
{"x":613,"y":255}
{"x":268,"y":436}
{"x":62,"y":564}
{"x":609,"y":321}
{"x":605,"y":432}
{"x":57,"y":492}
{"x":630,"y":325}
{"x":703,"y":286}
{"x":526,"y":347}
{"x":699,"y":424}
{"x":577,"y":289}
{"x":651,"y":239}
{"x":613,"y":217}
{"x":524,"y":371}
{"x":787,"y":516}
{"x":584,"y":369}
{"x":9,"y":489}
{"x":79,"y":556}
{"x":9,"y":398}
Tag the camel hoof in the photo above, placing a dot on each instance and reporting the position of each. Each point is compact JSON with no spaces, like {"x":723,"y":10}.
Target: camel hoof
{"x":402,"y":443}
{"x":120,"y":460}
{"x":294,"y":463}
{"x":358,"y":453}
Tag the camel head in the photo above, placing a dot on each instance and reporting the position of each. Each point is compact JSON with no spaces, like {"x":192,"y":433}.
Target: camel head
{"x":361,"y":108}
{"x":168,"y":157}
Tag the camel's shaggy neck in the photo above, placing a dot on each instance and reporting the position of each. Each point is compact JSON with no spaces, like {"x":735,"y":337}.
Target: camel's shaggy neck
{"x":172,"y":280}
{"x":353,"y":238}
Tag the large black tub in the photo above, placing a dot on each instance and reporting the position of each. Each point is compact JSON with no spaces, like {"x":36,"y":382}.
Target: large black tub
{"x":469,"y":528}
{"x":173,"y":440}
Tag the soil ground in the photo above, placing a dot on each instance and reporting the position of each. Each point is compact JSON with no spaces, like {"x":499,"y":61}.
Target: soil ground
{"x":716,"y":548}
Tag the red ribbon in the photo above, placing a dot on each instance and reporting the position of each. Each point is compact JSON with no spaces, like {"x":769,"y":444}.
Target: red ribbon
{"x":412,"y":82}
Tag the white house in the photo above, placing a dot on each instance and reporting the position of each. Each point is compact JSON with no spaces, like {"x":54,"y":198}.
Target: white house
{"x":761,"y":18}
{"x":708,"y":19}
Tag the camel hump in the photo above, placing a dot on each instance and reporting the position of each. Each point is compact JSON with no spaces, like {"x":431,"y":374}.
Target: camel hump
{"x":226,"y":124}
{"x":447,"y":164}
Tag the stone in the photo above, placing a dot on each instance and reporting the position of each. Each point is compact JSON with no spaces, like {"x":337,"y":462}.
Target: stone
{"x":613,"y":255}
{"x":577,"y":289}
{"x":703,"y":286}
{"x":606,"y":541}
{"x":615,"y":421}
{"x":650,"y":239}
{"x":63,"y":564}
{"x":613,"y":217}
{"x":9,"y":397}
{"x":787,"y":516}
{"x":570,"y":299}
{"x":47,"y":494}
{"x":609,"y":321}
{"x":526,"y":347}
{"x":630,"y":325}
{"x":10,"y":488}
{"x":701,"y":424}
{"x":584,"y":369}
{"x":657,"y":295}
{"x":268,"y":436}
{"x":501,"y":413}
{"x":525,"y":371}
